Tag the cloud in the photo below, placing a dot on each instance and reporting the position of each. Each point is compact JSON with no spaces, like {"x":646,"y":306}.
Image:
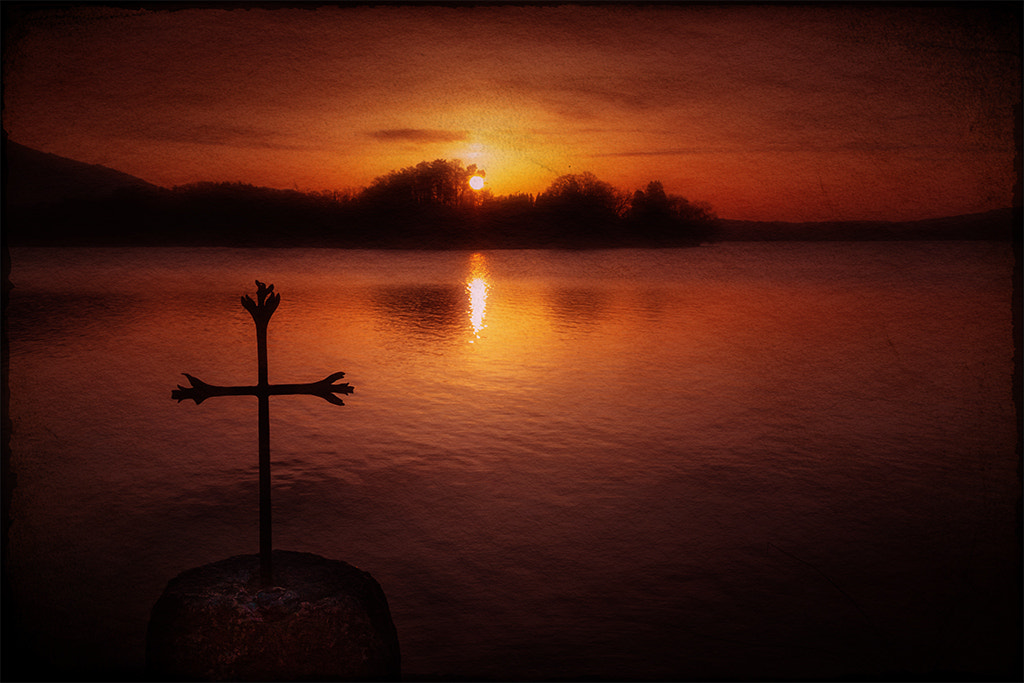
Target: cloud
{"x":419,"y":135}
{"x":662,"y":152}
{"x":246,"y":137}
{"x":796,"y":147}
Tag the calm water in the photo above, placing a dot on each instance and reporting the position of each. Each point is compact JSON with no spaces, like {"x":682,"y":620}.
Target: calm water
{"x":737,"y":461}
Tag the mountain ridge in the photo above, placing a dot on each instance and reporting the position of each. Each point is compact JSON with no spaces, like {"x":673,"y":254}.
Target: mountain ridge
{"x":35,"y":177}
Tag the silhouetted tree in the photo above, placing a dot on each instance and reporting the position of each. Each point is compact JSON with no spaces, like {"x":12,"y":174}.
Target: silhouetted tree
{"x":581,"y":208}
{"x":581,"y":190}
{"x":439,"y":182}
{"x":429,"y":205}
{"x":505,"y":221}
{"x":659,"y":218}
{"x":422,"y":205}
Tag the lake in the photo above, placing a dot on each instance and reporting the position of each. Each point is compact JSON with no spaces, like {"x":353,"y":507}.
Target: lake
{"x":744,"y":460}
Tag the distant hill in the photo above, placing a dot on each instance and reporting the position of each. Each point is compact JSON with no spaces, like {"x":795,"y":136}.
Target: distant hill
{"x":34,"y":177}
{"x":990,"y":225}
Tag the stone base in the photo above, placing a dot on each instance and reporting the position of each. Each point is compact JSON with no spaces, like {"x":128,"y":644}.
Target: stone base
{"x":323,"y":619}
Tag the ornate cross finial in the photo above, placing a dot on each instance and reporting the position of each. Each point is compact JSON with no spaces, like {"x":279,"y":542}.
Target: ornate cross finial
{"x":328,"y":388}
{"x":265,"y":304}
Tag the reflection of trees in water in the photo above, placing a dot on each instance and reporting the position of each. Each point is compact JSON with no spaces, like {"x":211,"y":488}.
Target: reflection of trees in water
{"x":652,"y":302}
{"x":66,"y":316}
{"x":422,"y":310}
{"x":576,"y":307}
{"x":445,"y":311}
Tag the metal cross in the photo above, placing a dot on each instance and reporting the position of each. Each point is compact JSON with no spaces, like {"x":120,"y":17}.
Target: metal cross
{"x":261,"y":310}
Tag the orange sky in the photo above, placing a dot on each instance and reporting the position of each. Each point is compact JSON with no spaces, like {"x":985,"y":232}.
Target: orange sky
{"x":829,"y":112}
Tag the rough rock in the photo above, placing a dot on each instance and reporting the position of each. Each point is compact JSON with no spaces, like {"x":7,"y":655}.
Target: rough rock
{"x":323,"y":619}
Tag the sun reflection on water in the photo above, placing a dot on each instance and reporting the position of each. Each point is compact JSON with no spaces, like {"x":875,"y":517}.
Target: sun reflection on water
{"x":477,"y":286}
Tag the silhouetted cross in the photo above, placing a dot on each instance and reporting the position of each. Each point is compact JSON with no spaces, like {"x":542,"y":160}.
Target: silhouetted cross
{"x":261,"y":310}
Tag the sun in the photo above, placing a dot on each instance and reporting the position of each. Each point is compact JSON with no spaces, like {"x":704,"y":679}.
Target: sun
{"x":476,"y":182}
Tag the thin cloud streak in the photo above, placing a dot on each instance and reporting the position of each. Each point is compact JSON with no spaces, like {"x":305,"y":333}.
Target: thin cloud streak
{"x":794,"y":149}
{"x":419,"y":135}
{"x":221,"y":135}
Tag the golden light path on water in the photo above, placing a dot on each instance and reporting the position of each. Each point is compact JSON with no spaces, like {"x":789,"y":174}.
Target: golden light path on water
{"x":477,"y":287}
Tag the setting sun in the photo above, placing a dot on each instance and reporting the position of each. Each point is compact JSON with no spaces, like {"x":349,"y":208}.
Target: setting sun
{"x":476,"y":182}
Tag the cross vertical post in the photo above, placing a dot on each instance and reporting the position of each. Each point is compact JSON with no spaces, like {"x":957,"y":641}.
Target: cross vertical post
{"x":261,"y":310}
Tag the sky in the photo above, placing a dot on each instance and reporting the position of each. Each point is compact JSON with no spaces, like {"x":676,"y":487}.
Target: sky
{"x":767,"y":112}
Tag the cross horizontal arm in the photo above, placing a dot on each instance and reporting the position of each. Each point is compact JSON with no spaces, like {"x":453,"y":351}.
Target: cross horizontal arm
{"x":325,"y":389}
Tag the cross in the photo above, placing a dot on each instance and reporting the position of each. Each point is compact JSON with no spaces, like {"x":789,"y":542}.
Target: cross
{"x":261,"y":310}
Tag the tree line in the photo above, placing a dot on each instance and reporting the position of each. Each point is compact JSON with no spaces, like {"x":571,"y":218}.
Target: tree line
{"x":429,"y":205}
